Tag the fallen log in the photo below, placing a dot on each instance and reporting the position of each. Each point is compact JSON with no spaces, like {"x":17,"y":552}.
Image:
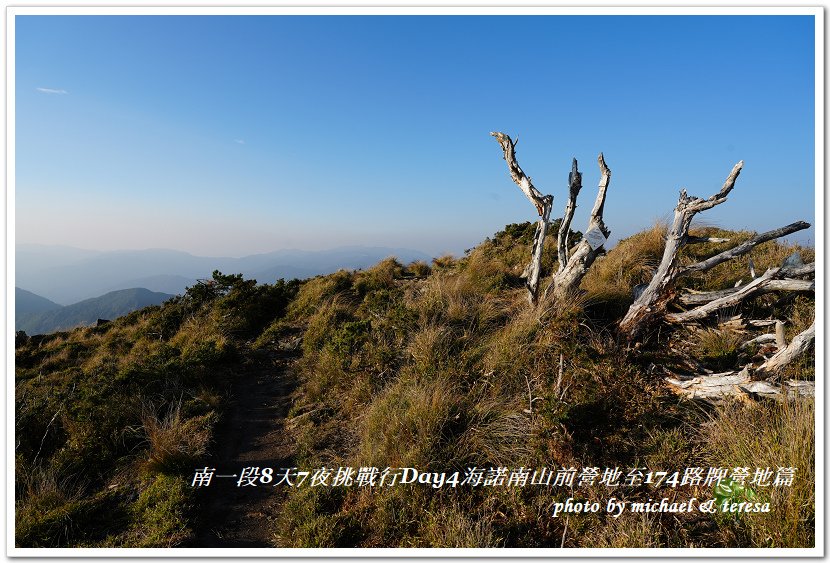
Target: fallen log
{"x":763,"y":339}
{"x":763,"y":284}
{"x":751,"y":380}
{"x":703,"y":297}
{"x":720,"y":386}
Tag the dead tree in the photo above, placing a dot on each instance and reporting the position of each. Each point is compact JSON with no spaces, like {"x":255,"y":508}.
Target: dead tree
{"x":572,"y":267}
{"x":542,"y":203}
{"x":651,"y":304}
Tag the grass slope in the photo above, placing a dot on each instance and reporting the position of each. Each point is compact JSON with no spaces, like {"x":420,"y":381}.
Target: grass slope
{"x":424,"y":366}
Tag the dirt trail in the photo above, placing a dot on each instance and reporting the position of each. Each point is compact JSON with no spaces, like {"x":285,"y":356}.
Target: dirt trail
{"x":252,"y":434}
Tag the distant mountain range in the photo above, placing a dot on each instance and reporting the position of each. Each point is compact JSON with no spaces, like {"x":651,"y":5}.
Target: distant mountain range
{"x":37,"y":315}
{"x":27,"y":303}
{"x":67,"y":275}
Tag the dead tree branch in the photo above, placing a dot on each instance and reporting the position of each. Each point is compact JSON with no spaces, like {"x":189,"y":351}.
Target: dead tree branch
{"x":574,"y":186}
{"x":763,"y":284}
{"x":573,"y":269}
{"x":542,"y":203}
{"x":763,"y":339}
{"x":800,"y":344}
{"x":752,"y":380}
{"x":743,"y":248}
{"x":652,"y":302}
{"x":699,"y":240}
{"x":701,"y":298}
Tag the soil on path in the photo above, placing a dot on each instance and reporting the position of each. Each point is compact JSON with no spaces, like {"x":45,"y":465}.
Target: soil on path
{"x":251,"y":434}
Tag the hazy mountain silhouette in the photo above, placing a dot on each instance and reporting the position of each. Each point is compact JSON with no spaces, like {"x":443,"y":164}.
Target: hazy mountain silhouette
{"x":26,"y":302}
{"x":87,"y":312}
{"x":165,"y":283}
{"x":67,"y":275}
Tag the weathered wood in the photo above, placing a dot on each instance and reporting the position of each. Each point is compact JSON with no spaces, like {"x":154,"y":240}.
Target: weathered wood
{"x":567,"y":279}
{"x":763,"y":339}
{"x":543,"y":205}
{"x":651,"y":302}
{"x":535,"y":266}
{"x":518,"y":175}
{"x":738,"y":295}
{"x":751,"y":380}
{"x":744,"y":247}
{"x":761,"y":322}
{"x":780,"y":338}
{"x":699,"y":240}
{"x":703,"y":297}
{"x":717,"y":385}
{"x":762,"y":284}
{"x":574,"y":186}
{"x":800,"y":270}
{"x":722,"y":385}
{"x":800,"y":344}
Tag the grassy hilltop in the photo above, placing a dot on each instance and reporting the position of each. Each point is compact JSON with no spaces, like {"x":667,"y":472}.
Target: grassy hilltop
{"x":439,"y":367}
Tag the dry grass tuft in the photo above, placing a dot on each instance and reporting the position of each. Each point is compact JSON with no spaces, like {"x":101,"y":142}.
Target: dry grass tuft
{"x":408,"y":425}
{"x":176,"y":443}
{"x":631,"y":262}
{"x":445,"y":262}
{"x":419,"y":269}
{"x":628,"y":531}
{"x":779,"y":434}
{"x":454,"y":526}
{"x":718,"y":347}
{"x":316,"y":292}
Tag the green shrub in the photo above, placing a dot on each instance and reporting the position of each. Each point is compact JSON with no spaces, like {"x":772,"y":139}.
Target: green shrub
{"x":160,"y":515}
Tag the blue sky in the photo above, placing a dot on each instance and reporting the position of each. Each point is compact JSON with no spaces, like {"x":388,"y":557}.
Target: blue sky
{"x":233,"y":135}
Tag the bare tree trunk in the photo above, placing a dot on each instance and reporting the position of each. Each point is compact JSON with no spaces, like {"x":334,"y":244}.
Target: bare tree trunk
{"x":542,"y":203}
{"x":652,"y":301}
{"x":573,"y":268}
{"x":574,"y":186}
{"x":535,"y":266}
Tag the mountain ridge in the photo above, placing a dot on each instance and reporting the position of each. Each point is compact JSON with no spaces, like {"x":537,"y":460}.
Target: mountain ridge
{"x":82,"y":274}
{"x":85,"y":313}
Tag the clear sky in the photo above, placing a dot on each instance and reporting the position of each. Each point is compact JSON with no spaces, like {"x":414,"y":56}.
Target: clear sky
{"x":231,"y":135}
